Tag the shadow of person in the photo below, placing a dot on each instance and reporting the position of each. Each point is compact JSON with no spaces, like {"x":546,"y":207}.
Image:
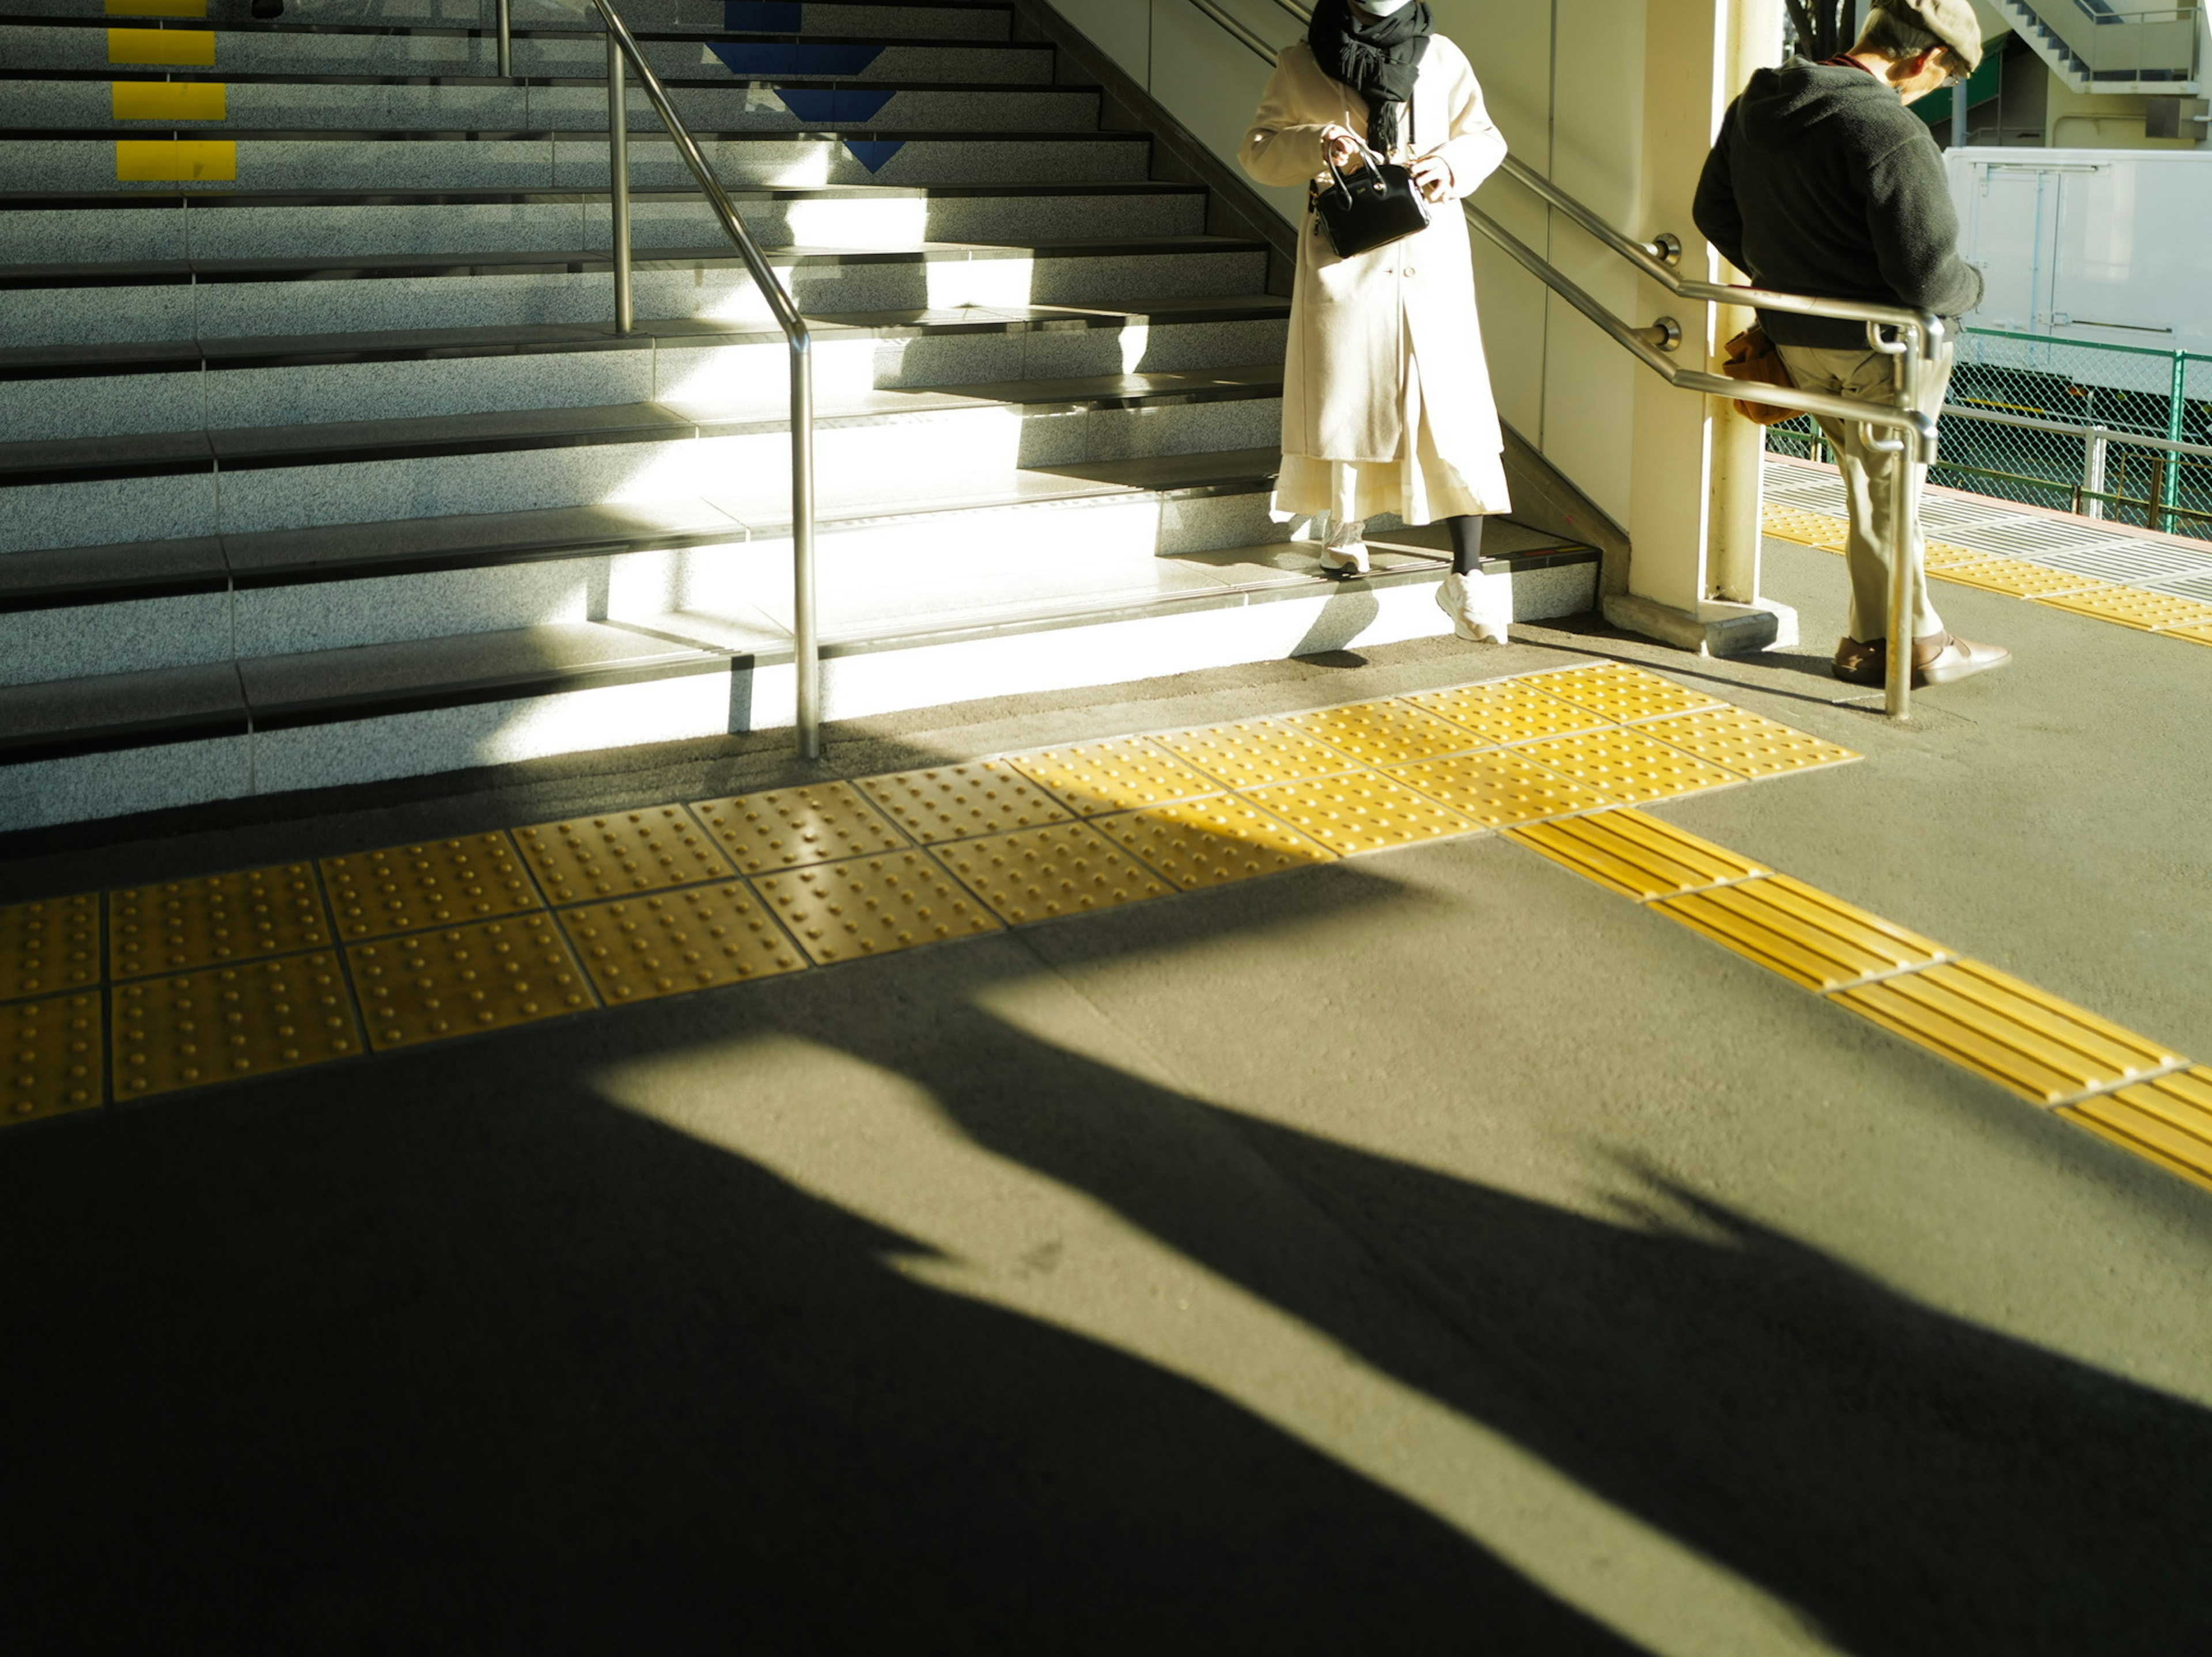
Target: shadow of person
{"x":464,"y":1358}
{"x":1910,"y":1482}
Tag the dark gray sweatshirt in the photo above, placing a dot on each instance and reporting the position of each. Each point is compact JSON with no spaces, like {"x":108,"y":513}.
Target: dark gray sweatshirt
{"x":1823,"y":182}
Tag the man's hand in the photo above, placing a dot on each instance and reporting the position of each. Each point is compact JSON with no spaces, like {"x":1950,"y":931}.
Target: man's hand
{"x":1431,"y":176}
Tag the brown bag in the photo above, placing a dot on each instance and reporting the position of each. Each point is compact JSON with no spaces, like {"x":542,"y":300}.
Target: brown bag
{"x":1752,"y":357}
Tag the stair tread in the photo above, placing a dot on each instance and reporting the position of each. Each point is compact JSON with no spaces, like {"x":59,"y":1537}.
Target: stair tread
{"x":508,"y":196}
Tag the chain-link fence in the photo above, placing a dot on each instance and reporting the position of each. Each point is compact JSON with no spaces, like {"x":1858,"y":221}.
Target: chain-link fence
{"x":2130,"y":391}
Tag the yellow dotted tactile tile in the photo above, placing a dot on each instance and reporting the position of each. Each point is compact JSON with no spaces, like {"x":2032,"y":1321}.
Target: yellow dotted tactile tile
{"x":2019,"y":577}
{"x":1213,"y":842}
{"x":1255,"y":753}
{"x":52,"y":944}
{"x":1362,"y":812}
{"x":873,"y":906}
{"x":1038,"y":874}
{"x":1498,"y":790}
{"x":1814,"y":529}
{"x":1814,"y":940}
{"x":2196,"y":635}
{"x":2168,"y":1120}
{"x":1122,"y":775}
{"x":665,"y":945}
{"x":1744,"y":742}
{"x":2041,"y":1048}
{"x":1636,"y":855}
{"x":216,"y":920}
{"x":1626,"y":765}
{"x":952,"y":802}
{"x":1509,"y":711}
{"x":230,"y":1022}
{"x":2133,"y":607}
{"x":1623,"y":694}
{"x":646,"y":851}
{"x":50,"y":1057}
{"x":788,"y":827}
{"x":494,"y":975}
{"x":406,"y":889}
{"x":1943,"y":554}
{"x":1384,"y":733}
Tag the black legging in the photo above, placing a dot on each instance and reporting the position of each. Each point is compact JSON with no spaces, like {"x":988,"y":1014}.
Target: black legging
{"x":1467,"y":544}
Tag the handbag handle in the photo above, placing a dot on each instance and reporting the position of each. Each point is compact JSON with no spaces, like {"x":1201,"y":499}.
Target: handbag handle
{"x":1373,"y":161}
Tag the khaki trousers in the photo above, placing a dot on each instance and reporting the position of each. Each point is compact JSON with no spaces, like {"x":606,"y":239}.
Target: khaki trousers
{"x":1872,"y":483}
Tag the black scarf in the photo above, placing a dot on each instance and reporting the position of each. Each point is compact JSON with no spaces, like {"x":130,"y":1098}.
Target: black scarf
{"x":1378,"y":57}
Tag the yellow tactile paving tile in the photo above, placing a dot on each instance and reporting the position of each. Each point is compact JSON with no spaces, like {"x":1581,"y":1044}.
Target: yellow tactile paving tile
{"x":51,"y":1057}
{"x":1126,"y":774}
{"x":784,"y":827}
{"x":2135,"y":608}
{"x":2196,"y":635}
{"x":1814,"y":940}
{"x":1211,"y":842}
{"x":1360,"y":812}
{"x":2041,"y":1048}
{"x":647,"y":850}
{"x":1509,"y":711}
{"x":230,"y":1022}
{"x":430,"y":986}
{"x":1254,"y":753}
{"x":668,"y":943}
{"x":1626,"y":765}
{"x":2019,"y":577}
{"x":1942,"y":554}
{"x":1812,"y":529}
{"x":1039,"y":874}
{"x":873,"y":905}
{"x":1746,"y":743}
{"x":446,"y":882}
{"x":952,"y":802}
{"x":1622,"y":694}
{"x":215,"y":921}
{"x":1497,"y":789}
{"x":1635,"y":854}
{"x":1384,"y":733}
{"x":50,"y":946}
{"x":2169,"y":1120}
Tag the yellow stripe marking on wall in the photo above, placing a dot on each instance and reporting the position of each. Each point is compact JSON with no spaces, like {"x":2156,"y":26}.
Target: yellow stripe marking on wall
{"x":170,"y":100}
{"x":193,"y":48}
{"x":147,"y":160}
{"x":155,"y":8}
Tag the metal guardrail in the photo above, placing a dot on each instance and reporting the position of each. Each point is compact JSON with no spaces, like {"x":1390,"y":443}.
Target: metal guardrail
{"x":622,"y":47}
{"x":1918,"y":341}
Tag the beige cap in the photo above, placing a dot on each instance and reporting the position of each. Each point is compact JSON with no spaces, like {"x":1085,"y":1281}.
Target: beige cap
{"x":1951,"y":21}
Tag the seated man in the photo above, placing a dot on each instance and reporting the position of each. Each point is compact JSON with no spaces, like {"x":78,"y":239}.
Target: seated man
{"x":1822,"y":182}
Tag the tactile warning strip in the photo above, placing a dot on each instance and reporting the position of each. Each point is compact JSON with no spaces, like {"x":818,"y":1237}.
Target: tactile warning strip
{"x":50,"y":1057}
{"x":220,"y":918}
{"x":1384,"y":733}
{"x":405,"y":888}
{"x":433,"y":986}
{"x":230,"y":1022}
{"x":1744,"y":742}
{"x":1361,"y":812}
{"x":1211,"y":842}
{"x":2041,"y":1048}
{"x":1036,"y":874}
{"x":785,"y":828}
{"x":2196,"y":635}
{"x":1626,"y":765}
{"x":2019,"y":577}
{"x":1123,"y":775}
{"x":2134,"y":607}
{"x":625,"y":852}
{"x":1509,"y":711}
{"x":1812,"y":529}
{"x":1499,"y":789}
{"x":1805,"y":935}
{"x":48,"y":946}
{"x":671,"y":942}
{"x":1623,"y":694}
{"x":952,"y":802}
{"x":1636,"y":855}
{"x":1256,"y":753}
{"x":873,"y":906}
{"x":2168,"y":1120}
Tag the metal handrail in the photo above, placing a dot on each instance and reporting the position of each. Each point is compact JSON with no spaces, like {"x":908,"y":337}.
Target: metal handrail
{"x":1918,"y":341}
{"x":506,"y":41}
{"x":805,"y":643}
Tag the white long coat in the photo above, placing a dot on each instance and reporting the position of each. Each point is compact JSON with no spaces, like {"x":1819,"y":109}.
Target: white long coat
{"x":1354,"y":321}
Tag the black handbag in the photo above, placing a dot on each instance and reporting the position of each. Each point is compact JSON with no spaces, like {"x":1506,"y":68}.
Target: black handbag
{"x":1373,"y":207}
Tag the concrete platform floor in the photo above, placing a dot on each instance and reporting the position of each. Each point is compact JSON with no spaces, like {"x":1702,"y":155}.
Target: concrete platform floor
{"x":1425,"y":1252}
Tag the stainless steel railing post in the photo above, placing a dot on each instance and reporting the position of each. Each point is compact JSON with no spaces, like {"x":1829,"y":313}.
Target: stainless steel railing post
{"x":2093,"y":471}
{"x":618,"y":181}
{"x":506,"y":42}
{"x":806,"y":640}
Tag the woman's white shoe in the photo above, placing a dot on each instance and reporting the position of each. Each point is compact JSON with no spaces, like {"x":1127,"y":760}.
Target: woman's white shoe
{"x":1480,"y":607}
{"x":1347,"y":551}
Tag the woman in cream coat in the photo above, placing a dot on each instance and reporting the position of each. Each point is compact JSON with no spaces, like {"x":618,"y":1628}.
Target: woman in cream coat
{"x":1386,"y":398}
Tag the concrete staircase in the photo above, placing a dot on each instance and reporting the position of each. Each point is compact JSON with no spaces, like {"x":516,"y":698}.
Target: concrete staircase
{"x":2114,"y":45}
{"x":321,"y":462}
